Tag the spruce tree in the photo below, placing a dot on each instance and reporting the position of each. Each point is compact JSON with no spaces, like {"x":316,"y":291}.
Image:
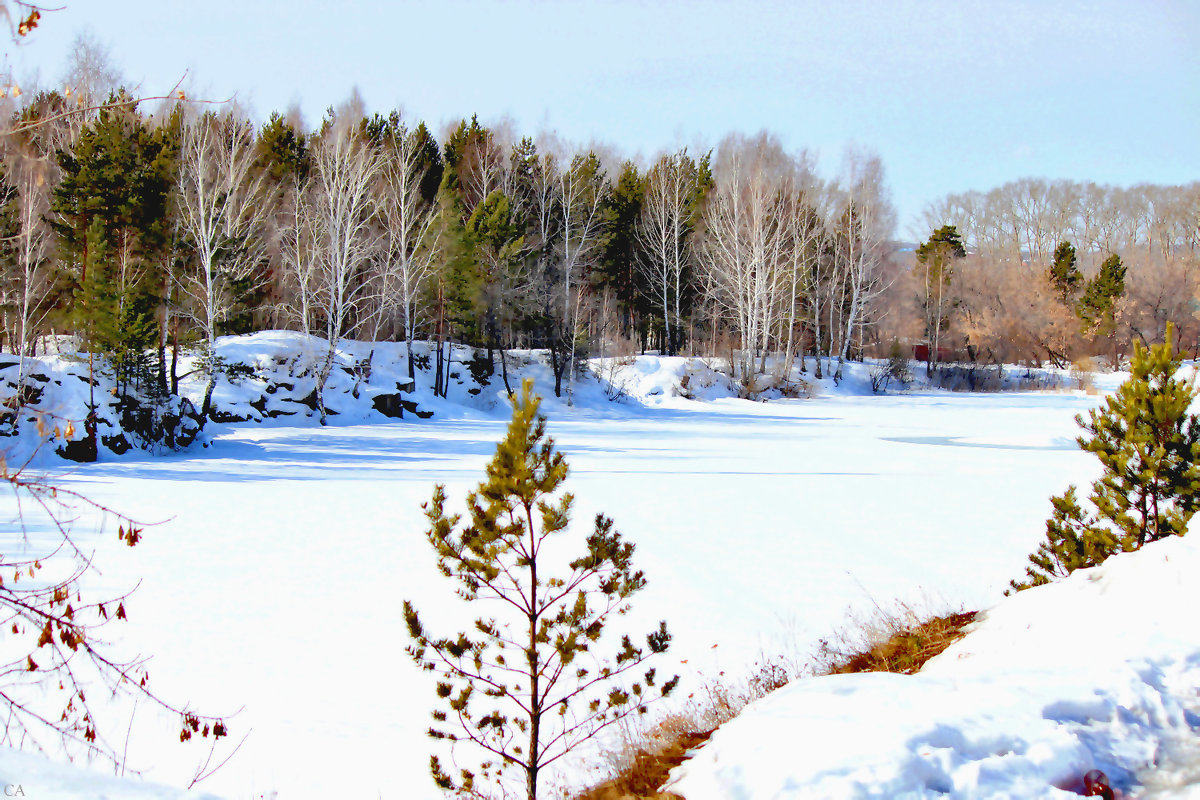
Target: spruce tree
{"x":1148,"y":445}
{"x":528,"y":681}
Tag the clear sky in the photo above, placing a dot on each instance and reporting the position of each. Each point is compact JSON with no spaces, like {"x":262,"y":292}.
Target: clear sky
{"x":953,"y":94}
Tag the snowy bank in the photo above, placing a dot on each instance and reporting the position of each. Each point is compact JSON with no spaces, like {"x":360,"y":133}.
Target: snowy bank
{"x":1099,"y":671}
{"x":34,"y":777}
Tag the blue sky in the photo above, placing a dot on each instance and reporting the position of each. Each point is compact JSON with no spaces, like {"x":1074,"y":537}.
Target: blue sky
{"x":953,"y":94}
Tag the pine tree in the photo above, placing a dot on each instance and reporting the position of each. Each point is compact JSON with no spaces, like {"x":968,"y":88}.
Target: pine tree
{"x":935,"y":263}
{"x":282,"y":151}
{"x":111,"y":209}
{"x":1148,"y":445}
{"x":529,"y":684}
{"x":616,"y":270}
{"x":1097,"y":307}
{"x":1064,"y":272}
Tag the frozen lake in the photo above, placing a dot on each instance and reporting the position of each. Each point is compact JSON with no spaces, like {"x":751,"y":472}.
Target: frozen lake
{"x":276,"y":580}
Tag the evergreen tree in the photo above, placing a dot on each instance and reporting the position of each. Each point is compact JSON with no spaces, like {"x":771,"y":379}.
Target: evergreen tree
{"x":1148,"y":445}
{"x":282,"y":151}
{"x":499,"y":247}
{"x":1064,"y":272}
{"x":935,"y":260}
{"x":430,"y":163}
{"x":1097,"y":307}
{"x":526,"y":683}
{"x":616,"y":271}
{"x":111,"y":208}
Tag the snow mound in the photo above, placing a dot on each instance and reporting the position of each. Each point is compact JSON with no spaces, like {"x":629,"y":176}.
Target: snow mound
{"x":1098,"y":671}
{"x":44,"y":403}
{"x":32,"y":776}
{"x":652,"y":379}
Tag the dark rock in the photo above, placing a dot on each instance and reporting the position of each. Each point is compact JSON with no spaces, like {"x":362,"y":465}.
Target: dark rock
{"x":30,"y":395}
{"x":309,"y":400}
{"x":390,"y":405}
{"x":39,"y":377}
{"x":278,"y":412}
{"x":220,"y":415}
{"x":80,"y":450}
{"x":118,"y":444}
{"x":260,"y":404}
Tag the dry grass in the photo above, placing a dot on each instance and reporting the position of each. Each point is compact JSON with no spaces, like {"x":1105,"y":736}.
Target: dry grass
{"x":906,"y":644}
{"x":897,"y":640}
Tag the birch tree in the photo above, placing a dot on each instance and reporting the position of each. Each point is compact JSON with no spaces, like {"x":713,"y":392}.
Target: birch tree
{"x":664,"y":257}
{"x":344,"y":238}
{"x":864,"y":228}
{"x":411,"y":247}
{"x":745,"y":238}
{"x":222,"y":212}
{"x":582,"y":191}
{"x":30,"y":172}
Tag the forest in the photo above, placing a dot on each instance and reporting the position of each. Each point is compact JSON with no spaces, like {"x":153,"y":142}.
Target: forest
{"x":143,"y":229}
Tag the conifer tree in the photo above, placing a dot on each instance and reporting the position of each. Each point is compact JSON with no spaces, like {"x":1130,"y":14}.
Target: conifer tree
{"x":1064,"y":272}
{"x":528,"y":682}
{"x":113,"y":199}
{"x":1097,"y":307}
{"x":616,"y":271}
{"x":936,"y":259}
{"x":1148,"y":445}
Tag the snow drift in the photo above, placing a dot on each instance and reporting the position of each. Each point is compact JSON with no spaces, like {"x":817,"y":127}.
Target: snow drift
{"x":1099,"y":671}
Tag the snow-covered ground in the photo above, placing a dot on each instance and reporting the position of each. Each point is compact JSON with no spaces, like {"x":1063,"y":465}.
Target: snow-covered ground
{"x":1100,"y":671}
{"x":275,"y":581}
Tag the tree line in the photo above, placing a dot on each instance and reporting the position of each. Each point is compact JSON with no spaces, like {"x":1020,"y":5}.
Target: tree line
{"x":148,"y":234}
{"x":1054,"y":271}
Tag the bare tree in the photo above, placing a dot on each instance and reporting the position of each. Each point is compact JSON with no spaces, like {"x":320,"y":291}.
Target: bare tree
{"x":862,"y":232}
{"x":345,"y":238}
{"x":745,"y":239}
{"x":294,"y":234}
{"x":30,"y":174}
{"x":91,"y":76}
{"x":412,"y":245}
{"x":58,"y":677}
{"x":222,"y":212}
{"x":582,"y":192}
{"x":663,"y":254}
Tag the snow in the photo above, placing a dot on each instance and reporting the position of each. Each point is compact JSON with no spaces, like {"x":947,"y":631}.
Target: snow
{"x":1095,"y":672}
{"x":35,"y":777}
{"x":275,"y":579}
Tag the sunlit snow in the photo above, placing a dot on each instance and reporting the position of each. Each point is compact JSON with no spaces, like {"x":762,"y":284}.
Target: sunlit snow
{"x":274,"y":580}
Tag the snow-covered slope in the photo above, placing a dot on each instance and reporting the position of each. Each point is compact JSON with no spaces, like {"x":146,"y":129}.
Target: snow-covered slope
{"x":271,"y":377}
{"x":1100,"y":671}
{"x":37,"y":778}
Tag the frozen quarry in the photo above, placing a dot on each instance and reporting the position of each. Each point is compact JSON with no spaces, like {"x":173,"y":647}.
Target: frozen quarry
{"x":272,"y":584}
